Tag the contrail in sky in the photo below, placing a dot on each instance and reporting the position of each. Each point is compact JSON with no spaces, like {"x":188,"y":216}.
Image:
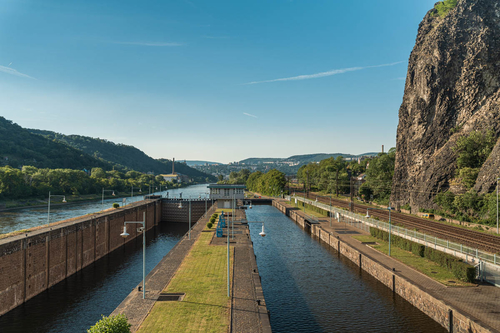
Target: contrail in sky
{"x":250,"y":115}
{"x":12,"y":71}
{"x":323,"y":74}
{"x":149,"y":43}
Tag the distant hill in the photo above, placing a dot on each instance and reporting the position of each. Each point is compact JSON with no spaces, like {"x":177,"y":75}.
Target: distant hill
{"x":124,"y":156}
{"x":302,"y":159}
{"x":191,"y":163}
{"x":19,"y":147}
{"x":258,"y":160}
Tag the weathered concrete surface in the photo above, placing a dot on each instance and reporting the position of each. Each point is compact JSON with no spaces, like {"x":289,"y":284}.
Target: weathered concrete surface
{"x":474,"y":309}
{"x":32,"y":262}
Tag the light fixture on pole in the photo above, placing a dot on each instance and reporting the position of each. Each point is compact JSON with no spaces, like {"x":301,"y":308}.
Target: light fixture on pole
{"x":189,"y":213}
{"x":125,"y":234}
{"x":103,"y":190}
{"x":390,"y":224}
{"x":262,"y":234}
{"x":48,"y":208}
{"x":132,"y":187}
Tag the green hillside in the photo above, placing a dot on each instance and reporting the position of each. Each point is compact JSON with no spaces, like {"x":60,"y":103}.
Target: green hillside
{"x":123,"y":156}
{"x":19,"y":147}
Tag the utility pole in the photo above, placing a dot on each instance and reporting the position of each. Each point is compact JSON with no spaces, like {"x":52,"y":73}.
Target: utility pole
{"x":337,"y":183}
{"x":308,"y":187}
{"x":351,"y":190}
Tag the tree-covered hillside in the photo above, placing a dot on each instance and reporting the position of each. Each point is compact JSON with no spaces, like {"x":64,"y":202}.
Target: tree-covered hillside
{"x":19,"y":147}
{"x":123,"y":156}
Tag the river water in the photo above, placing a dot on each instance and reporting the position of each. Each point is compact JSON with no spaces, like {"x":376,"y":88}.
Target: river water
{"x":310,"y":288}
{"x":26,"y":218}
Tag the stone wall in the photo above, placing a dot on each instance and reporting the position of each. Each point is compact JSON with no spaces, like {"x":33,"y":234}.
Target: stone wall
{"x":431,"y":306}
{"x":32,"y":262}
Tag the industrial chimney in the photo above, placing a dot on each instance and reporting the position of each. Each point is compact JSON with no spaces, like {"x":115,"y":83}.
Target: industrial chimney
{"x":173,"y":165}
{"x":382,"y":149}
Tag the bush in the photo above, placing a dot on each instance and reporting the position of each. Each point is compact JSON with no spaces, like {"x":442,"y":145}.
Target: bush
{"x":116,"y":205}
{"x":215,"y":215}
{"x":111,"y":324}
{"x":212,"y":220}
{"x":445,"y":6}
{"x":209,"y":225}
{"x":461,"y":270}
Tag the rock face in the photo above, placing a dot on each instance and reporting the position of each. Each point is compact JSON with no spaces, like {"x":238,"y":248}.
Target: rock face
{"x":452,"y":88}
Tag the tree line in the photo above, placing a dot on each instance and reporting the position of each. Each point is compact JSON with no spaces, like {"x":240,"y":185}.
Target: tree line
{"x":33,"y":182}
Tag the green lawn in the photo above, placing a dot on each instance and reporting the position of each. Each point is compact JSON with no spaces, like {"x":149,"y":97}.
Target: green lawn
{"x":205,"y":308}
{"x":423,"y":265}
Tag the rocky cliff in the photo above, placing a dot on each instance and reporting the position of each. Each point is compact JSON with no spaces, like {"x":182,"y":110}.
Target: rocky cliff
{"x":452,"y":88}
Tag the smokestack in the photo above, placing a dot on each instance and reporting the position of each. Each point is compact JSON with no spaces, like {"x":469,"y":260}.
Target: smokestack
{"x":173,"y":165}
{"x":382,"y":149}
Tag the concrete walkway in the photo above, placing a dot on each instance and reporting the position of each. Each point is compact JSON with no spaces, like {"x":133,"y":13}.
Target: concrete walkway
{"x":248,"y":307}
{"x":481,"y":304}
{"x":133,"y":306}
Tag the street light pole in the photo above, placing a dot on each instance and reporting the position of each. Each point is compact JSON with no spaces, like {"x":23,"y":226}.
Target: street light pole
{"x":103,"y":190}
{"x":124,"y":234}
{"x":48,"y":208}
{"x":189,"y":218}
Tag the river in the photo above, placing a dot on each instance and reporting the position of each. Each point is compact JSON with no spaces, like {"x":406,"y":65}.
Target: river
{"x":25,"y":218}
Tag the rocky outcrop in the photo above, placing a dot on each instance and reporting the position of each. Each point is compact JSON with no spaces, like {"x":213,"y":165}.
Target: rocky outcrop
{"x":452,"y":88}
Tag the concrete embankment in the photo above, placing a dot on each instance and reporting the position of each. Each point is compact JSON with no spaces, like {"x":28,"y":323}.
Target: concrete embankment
{"x":471,"y":309}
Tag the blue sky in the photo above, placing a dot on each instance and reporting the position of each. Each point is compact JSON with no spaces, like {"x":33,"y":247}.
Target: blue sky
{"x":210,"y":80}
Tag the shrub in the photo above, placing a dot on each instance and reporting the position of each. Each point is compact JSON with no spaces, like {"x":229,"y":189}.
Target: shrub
{"x":212,"y":220}
{"x":116,"y":205}
{"x":445,"y":6}
{"x":209,"y":225}
{"x":215,"y":215}
{"x":111,"y":324}
{"x":461,"y":270}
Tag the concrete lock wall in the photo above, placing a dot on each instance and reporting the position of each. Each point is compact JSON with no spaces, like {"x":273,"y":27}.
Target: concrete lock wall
{"x":431,"y":306}
{"x":32,"y":262}
{"x":172,"y":213}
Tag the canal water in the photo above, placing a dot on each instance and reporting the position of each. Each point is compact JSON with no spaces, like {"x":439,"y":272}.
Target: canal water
{"x":26,"y":218}
{"x":77,"y":303}
{"x":310,"y":288}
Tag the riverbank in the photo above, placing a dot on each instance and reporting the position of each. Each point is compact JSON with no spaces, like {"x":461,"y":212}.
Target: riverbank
{"x":470,"y":309}
{"x":9,"y":205}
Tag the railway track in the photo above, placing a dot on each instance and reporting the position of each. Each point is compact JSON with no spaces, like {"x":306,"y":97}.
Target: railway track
{"x":475,"y":239}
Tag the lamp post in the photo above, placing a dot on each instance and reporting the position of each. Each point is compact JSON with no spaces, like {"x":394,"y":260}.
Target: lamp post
{"x":262,"y":234}
{"x":103,"y":190}
{"x":189,"y":209}
{"x":48,"y":209}
{"x":390,"y":224}
{"x":132,"y":190}
{"x":124,"y":234}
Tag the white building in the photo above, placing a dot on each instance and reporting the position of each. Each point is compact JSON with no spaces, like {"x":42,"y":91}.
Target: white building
{"x":171,"y":177}
{"x":225,"y":193}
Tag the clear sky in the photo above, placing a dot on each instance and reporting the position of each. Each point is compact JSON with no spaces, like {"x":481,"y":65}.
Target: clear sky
{"x":210,"y":80}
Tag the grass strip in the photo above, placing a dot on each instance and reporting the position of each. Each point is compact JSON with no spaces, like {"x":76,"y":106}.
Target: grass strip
{"x":205,"y":308}
{"x":423,"y":265}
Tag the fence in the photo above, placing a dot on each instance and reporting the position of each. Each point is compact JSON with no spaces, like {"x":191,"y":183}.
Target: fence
{"x":488,"y":263}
